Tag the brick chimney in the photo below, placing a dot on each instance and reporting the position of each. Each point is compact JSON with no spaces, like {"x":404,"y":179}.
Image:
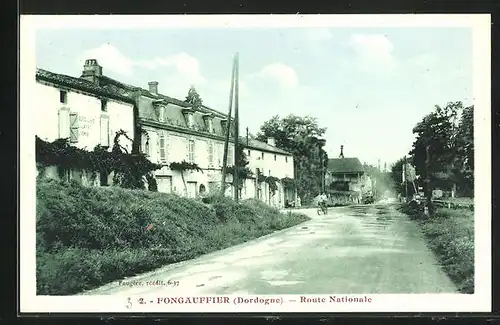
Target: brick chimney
{"x":341,"y":152}
{"x":153,"y":87}
{"x":91,"y":71}
{"x":271,"y":142}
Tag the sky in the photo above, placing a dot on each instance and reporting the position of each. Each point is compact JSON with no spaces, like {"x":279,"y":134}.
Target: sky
{"x":367,"y":86}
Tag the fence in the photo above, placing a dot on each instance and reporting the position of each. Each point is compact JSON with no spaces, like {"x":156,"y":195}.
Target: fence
{"x":458,"y":203}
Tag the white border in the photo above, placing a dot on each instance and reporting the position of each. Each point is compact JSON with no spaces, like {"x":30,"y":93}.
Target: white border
{"x":480,"y":25}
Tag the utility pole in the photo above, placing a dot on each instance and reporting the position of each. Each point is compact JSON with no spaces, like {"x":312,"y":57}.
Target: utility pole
{"x":236,"y":176}
{"x":228,"y":128}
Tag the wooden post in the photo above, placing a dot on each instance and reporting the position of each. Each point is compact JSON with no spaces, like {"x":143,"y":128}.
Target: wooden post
{"x":428,"y":191}
{"x":228,"y":128}
{"x":236,"y":176}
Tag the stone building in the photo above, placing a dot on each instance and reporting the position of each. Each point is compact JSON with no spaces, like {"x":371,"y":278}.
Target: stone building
{"x":170,"y":130}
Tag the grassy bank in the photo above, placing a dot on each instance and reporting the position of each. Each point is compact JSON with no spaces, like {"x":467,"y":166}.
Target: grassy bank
{"x":450,"y":235}
{"x":87,"y":237}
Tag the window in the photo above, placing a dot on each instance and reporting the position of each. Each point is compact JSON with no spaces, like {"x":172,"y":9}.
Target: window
{"x":190,"y":120}
{"x":191,"y":151}
{"x":248,"y":153}
{"x":73,"y":125}
{"x":104,"y":105}
{"x":64,"y":173}
{"x":274,"y":157}
{"x":162,"y":147}
{"x":286,"y":159}
{"x":104,"y":130}
{"x":210,"y":125}
{"x":64,"y":125}
{"x":262,"y":155}
{"x":145,"y":145}
{"x":63,"y":97}
{"x":162,"y":114}
{"x":210,"y":153}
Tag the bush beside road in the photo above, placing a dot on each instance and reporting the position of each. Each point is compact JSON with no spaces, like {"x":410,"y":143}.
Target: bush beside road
{"x":450,"y":235}
{"x":87,"y":237}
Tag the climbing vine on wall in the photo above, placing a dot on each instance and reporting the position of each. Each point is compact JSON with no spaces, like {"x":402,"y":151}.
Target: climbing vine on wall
{"x":130,"y":169}
{"x":244,"y":172}
{"x":287,"y":181}
{"x":185,"y":166}
{"x":270,"y":180}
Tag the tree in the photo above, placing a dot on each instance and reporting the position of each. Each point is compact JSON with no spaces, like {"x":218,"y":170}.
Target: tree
{"x":194,"y":98}
{"x":302,"y":137}
{"x":243,"y":171}
{"x":448,"y":135}
{"x":397,"y":174}
{"x":437,"y":132}
{"x":464,"y":143}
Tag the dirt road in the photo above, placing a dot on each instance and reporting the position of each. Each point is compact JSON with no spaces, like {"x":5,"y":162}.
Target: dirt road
{"x":358,"y":249}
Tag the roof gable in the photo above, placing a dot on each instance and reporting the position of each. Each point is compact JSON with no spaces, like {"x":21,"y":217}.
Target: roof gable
{"x":345,"y":165}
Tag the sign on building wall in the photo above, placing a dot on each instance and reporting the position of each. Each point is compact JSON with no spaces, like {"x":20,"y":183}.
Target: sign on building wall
{"x":85,"y":125}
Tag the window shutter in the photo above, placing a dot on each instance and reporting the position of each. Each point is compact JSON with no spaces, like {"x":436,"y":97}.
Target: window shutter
{"x":64,"y":123}
{"x":73,"y":122}
{"x":167,"y":148}
{"x":193,"y":151}
{"x":158,"y":146}
{"x":105,"y":130}
{"x":162,"y":148}
{"x":210,"y":153}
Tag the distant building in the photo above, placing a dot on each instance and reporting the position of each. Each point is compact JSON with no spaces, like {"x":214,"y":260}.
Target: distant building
{"x":347,"y":175}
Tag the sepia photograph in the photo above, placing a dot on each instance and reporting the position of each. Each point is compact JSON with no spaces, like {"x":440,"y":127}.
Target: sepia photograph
{"x":239,"y":164}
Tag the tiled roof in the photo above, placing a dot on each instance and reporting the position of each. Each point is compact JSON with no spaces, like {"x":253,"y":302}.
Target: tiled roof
{"x":263,"y":146}
{"x":174,"y":115}
{"x":345,"y":165}
{"x":78,"y":84}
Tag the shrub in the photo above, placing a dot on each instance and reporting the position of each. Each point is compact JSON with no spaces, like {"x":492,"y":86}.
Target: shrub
{"x":450,"y":235}
{"x":89,"y":236}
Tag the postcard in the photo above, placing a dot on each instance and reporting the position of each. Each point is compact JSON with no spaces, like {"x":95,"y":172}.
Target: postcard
{"x":255,"y":163}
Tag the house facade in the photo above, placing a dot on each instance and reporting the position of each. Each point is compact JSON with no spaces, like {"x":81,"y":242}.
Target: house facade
{"x":172,"y":131}
{"x":347,"y":175}
{"x":81,"y":111}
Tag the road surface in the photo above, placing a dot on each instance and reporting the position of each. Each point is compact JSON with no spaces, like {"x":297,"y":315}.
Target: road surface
{"x":352,"y":250}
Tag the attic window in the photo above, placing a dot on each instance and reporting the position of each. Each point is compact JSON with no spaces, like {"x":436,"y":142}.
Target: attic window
{"x":188,"y":113}
{"x":63,"y":97}
{"x":104,"y":105}
{"x":209,"y":122}
{"x":161,"y":115}
{"x":224,"y":126}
